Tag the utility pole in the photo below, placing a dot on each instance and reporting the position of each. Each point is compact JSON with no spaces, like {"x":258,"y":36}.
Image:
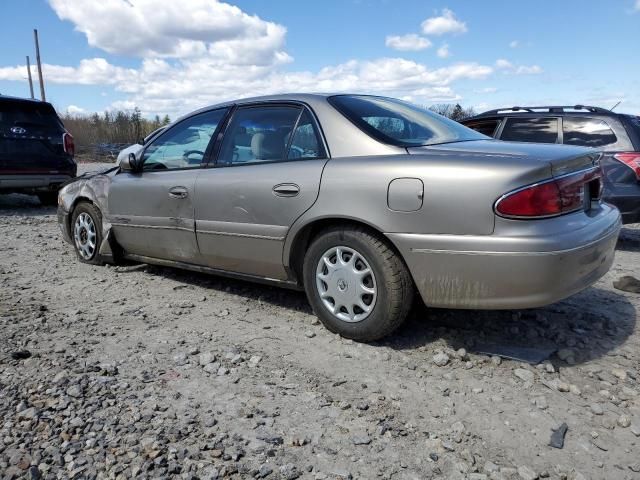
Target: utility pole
{"x":30,"y":80}
{"x":35,"y":35}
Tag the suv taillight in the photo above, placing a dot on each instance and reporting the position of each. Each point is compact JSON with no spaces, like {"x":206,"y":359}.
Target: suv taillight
{"x":69,"y":145}
{"x":631,"y":160}
{"x":553,"y":197}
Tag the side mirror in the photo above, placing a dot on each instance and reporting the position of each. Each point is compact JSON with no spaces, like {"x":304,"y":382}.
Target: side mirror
{"x":129,"y":163}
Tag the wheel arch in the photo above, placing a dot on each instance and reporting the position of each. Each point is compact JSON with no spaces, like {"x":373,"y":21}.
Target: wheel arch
{"x":298,"y":242}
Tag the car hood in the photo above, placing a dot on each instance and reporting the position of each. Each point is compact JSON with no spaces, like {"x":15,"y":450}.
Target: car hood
{"x":562,"y":158}
{"x":88,"y":175}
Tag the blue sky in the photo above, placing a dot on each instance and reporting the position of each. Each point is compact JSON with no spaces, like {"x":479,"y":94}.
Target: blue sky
{"x":171,"y":57}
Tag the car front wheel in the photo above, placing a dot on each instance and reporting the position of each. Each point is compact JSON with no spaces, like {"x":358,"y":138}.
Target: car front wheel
{"x":86,"y":231}
{"x":357,"y":284}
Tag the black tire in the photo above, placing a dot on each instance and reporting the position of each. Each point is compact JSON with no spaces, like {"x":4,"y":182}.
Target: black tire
{"x":96,"y":217}
{"x":394,"y":286}
{"x":48,"y":198}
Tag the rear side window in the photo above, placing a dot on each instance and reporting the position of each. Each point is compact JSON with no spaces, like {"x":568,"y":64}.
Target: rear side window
{"x":28,"y":114}
{"x":486,"y":127}
{"x":587,"y":132}
{"x":258,"y":134}
{"x":536,"y":130}
{"x":306,"y":141}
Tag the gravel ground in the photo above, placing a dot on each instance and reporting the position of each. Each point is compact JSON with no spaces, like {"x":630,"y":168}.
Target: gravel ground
{"x":148,"y":372}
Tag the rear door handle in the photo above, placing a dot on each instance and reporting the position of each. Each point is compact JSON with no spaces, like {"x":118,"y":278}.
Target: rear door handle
{"x":178,"y":192}
{"x":286,"y":190}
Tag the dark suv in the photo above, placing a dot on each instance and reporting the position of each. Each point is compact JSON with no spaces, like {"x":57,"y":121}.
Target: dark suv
{"x":617,"y":135}
{"x":36,"y":152}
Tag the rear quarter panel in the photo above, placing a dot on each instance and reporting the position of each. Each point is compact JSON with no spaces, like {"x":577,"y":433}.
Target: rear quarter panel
{"x":459,"y":191}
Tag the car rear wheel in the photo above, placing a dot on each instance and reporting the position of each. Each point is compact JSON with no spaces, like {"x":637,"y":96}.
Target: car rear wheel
{"x":86,"y":231}
{"x":48,"y":198}
{"x":357,"y":284}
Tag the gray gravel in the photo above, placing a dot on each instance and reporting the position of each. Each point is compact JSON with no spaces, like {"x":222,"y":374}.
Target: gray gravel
{"x":147,"y":372}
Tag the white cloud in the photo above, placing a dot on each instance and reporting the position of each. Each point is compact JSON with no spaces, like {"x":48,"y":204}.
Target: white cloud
{"x":443,"y":51}
{"x":409,"y":42}
{"x":75,"y":110}
{"x":195,"y":28}
{"x":516,"y":43}
{"x":216,"y":53}
{"x":445,"y":23}
{"x":486,"y":90}
{"x":507,"y":67}
{"x":637,"y":5}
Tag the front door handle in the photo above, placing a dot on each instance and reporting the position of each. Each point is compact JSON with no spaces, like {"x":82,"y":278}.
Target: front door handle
{"x":286,"y":190}
{"x":178,"y":192}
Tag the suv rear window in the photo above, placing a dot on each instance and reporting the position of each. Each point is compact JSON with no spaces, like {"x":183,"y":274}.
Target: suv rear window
{"x":587,"y":132}
{"x":537,"y":130}
{"x":25,"y":114}
{"x":400,"y":123}
{"x":486,"y":127}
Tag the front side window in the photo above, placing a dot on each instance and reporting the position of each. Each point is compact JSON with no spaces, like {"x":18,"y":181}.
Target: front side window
{"x":183,"y":145}
{"x":587,"y":132}
{"x":536,"y":130}
{"x":400,"y":123}
{"x":259,"y":134}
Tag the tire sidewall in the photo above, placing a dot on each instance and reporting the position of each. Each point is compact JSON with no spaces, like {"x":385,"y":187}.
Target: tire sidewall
{"x":376,"y":322}
{"x":97,"y":221}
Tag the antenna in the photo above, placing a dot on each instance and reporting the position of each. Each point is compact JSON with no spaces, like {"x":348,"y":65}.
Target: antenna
{"x":616,"y":105}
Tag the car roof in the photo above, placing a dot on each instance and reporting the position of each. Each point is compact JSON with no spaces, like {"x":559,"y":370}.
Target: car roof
{"x":560,"y":110}
{"x":20,"y":99}
{"x":311,"y":99}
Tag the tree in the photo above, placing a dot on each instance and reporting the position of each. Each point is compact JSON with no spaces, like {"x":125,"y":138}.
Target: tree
{"x":166,"y":120}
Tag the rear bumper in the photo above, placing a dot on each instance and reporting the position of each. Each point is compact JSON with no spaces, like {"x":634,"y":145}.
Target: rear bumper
{"x":504,"y":272}
{"x":32,"y":182}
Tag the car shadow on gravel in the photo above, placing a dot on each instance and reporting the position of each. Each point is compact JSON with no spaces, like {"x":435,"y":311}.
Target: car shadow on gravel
{"x":629,"y":240}
{"x":276,"y":296}
{"x":17,"y":204}
{"x":590,"y":324}
{"x":587,"y":326}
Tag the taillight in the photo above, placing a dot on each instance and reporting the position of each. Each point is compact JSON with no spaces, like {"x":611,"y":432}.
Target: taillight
{"x":69,"y":145}
{"x":553,"y":197}
{"x":631,"y":160}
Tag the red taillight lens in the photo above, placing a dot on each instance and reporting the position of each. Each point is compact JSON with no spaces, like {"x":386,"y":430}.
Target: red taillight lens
{"x":69,"y":145}
{"x":631,"y":160}
{"x":553,"y":197}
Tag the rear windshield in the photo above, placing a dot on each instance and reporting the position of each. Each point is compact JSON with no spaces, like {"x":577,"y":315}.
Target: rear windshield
{"x":401,"y":123}
{"x":25,"y":114}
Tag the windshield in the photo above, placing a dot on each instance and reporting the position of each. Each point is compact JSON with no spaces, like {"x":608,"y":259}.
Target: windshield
{"x":401,"y":123}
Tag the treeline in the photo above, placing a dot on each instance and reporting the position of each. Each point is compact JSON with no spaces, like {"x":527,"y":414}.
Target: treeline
{"x":453,"y":111}
{"x":111,"y":128}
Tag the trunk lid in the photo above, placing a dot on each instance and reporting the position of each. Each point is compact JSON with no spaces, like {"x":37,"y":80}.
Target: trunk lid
{"x":562,"y":159}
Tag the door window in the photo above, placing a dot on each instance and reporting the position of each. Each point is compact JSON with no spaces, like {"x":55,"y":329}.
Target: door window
{"x":537,"y":130}
{"x":261,"y":134}
{"x":587,"y":132}
{"x":183,"y":145}
{"x":306,"y":141}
